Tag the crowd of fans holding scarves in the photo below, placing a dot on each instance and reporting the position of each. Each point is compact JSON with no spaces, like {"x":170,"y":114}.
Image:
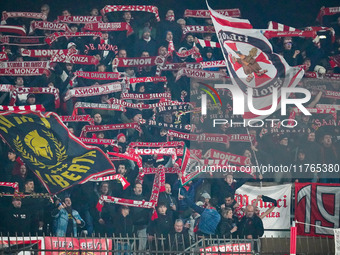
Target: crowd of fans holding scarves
{"x":121,"y":79}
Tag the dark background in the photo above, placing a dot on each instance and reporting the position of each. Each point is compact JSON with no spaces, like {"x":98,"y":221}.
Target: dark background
{"x":295,"y":13}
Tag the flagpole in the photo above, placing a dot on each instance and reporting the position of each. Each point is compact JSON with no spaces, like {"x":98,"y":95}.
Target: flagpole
{"x":256,"y":161}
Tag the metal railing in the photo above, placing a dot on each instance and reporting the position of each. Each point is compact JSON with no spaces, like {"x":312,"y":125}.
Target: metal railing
{"x":171,"y":244}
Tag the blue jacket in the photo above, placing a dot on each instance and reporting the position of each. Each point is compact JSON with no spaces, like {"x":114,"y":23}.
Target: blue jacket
{"x":208,"y":221}
{"x":61,"y":222}
{"x":189,"y":194}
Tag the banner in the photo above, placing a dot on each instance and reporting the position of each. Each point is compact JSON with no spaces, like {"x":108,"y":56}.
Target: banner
{"x":32,"y":243}
{"x":337,"y":241}
{"x":75,"y":246}
{"x":252,"y":64}
{"x":22,"y":40}
{"x":94,"y":90}
{"x":130,"y":8}
{"x":13,"y":30}
{"x":79,"y":19}
{"x":235,"y":248}
{"x":317,"y":204}
{"x":58,"y":158}
{"x":277,"y":219}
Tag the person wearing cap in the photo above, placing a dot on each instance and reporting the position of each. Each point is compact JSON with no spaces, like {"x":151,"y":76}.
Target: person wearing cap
{"x":31,"y":100}
{"x":146,"y":43}
{"x":71,"y":45}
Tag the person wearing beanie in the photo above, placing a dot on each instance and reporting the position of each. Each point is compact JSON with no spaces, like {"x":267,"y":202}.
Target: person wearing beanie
{"x":146,"y":43}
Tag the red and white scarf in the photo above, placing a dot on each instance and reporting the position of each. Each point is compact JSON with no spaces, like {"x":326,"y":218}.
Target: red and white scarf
{"x":111,"y":26}
{"x":51,"y":38}
{"x":271,"y":34}
{"x":25,"y":64}
{"x":75,"y":59}
{"x":328,"y":106}
{"x":142,"y":8}
{"x":143,"y":61}
{"x":272,"y":25}
{"x":45,"y":53}
{"x":84,"y":105}
{"x":46,"y":25}
{"x":94,"y":90}
{"x":99,"y":141}
{"x":330,"y":76}
{"x":78,"y":118}
{"x":327,"y":11}
{"x":216,"y":63}
{"x":38,"y":108}
{"x":201,"y":74}
{"x":157,"y":144}
{"x":132,"y":157}
{"x":29,"y":15}
{"x":3,"y":56}
{"x":13,"y":29}
{"x":167,"y":170}
{"x":199,"y":29}
{"x":206,"y":137}
{"x":140,"y":106}
{"x":148,"y":79}
{"x":152,"y":96}
{"x":206,"y":15}
{"x":99,"y":128}
{"x":232,"y":158}
{"x":119,"y":177}
{"x":99,"y":75}
{"x":22,"y":40}
{"x":211,"y":44}
{"x":24,"y":72}
{"x":187,"y":53}
{"x":328,"y":94}
{"x":36,"y":90}
{"x":13,"y":185}
{"x":334,"y":61}
{"x":79,"y":19}
{"x":123,"y":201}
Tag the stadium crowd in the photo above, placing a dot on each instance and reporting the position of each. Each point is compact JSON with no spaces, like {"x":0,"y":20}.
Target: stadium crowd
{"x":205,"y":205}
